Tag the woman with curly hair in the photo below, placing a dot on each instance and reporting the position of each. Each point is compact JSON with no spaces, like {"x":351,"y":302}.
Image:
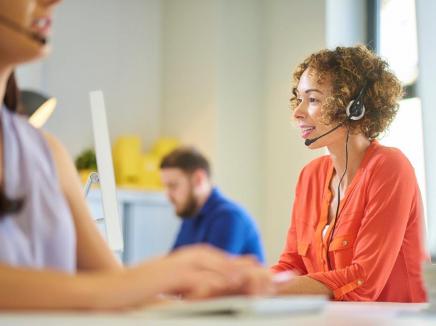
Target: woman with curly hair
{"x":356,"y":229}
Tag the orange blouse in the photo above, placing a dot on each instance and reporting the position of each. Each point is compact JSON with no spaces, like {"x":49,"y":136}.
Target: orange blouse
{"x":377,"y":248}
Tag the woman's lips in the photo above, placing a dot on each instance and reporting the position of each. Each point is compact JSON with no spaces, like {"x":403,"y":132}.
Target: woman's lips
{"x":306,"y":131}
{"x":42,"y":26}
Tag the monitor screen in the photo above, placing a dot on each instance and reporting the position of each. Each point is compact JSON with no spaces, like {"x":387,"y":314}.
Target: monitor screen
{"x":105,"y":171}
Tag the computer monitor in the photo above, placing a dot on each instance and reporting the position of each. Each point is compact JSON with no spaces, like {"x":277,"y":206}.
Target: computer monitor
{"x":106,"y":171}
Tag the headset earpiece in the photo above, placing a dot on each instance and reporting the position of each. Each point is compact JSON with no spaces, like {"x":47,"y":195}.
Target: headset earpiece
{"x":355,"y":109}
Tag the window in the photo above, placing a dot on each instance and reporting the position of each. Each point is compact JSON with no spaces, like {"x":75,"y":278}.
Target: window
{"x":392,"y":32}
{"x":398,"y":38}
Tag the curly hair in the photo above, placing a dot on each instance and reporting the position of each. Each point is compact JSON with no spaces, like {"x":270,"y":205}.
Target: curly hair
{"x":349,"y":69}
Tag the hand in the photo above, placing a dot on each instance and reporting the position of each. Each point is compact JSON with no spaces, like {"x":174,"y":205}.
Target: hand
{"x":202,"y":271}
{"x":263,"y":282}
{"x":195,"y":272}
{"x":256,"y":281}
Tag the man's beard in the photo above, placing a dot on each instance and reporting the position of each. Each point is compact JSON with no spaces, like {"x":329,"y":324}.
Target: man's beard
{"x":190,"y":208}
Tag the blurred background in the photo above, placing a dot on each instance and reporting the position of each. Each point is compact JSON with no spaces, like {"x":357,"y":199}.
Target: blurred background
{"x":216,"y":74}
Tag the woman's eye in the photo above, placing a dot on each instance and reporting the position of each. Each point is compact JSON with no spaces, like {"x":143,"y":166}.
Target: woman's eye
{"x":298,"y":100}
{"x":313,"y":100}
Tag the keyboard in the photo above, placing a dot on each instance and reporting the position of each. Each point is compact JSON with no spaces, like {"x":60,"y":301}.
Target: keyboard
{"x":241,"y":305}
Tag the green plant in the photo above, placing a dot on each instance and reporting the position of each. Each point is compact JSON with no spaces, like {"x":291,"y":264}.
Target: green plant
{"x":86,"y":160}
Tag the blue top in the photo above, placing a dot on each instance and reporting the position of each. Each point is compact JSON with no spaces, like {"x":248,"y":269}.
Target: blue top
{"x":223,"y":224}
{"x":42,"y":233}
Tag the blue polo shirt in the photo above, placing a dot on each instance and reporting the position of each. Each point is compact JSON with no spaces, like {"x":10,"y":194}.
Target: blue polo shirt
{"x":223,"y":224}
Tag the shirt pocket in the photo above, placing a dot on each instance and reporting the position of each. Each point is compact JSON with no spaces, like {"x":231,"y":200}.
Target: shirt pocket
{"x":304,"y":246}
{"x":341,"y":249}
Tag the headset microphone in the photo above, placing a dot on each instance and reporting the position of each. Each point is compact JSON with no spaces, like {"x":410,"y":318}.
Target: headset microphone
{"x":34,"y":36}
{"x":309,"y":142}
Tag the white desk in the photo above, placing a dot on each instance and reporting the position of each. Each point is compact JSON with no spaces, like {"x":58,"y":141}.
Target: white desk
{"x":335,"y":314}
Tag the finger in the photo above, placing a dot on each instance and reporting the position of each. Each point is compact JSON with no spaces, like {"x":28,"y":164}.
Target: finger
{"x":204,"y":284}
{"x":258,"y":281}
{"x":208,"y":258}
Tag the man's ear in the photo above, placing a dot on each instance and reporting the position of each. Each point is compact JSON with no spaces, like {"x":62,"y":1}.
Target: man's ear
{"x":199,"y":176}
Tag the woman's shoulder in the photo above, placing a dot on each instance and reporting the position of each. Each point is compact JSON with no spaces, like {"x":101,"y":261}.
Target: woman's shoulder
{"x":41,"y":145}
{"x":316,"y":170}
{"x":47,"y":140}
{"x":318,"y":164}
{"x":388,"y":162}
{"x":387,"y":157}
{"x":30,"y":137}
{"x":20,"y":122}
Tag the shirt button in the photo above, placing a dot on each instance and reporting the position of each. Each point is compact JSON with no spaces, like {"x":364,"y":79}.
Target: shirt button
{"x":345,"y":243}
{"x":359,"y":282}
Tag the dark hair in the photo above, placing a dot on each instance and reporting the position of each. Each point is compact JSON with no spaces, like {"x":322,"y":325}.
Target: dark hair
{"x":188,"y":159}
{"x":11,"y":101}
{"x":12,"y":94}
{"x":349,"y":69}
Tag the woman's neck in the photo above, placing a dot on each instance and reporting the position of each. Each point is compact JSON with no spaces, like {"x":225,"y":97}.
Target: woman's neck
{"x":357,"y":145}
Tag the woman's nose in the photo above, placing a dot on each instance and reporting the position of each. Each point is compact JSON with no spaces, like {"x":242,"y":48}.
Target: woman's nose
{"x":50,"y":2}
{"x":300,"y":111}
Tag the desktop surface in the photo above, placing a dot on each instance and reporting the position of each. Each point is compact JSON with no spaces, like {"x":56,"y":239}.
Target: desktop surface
{"x":333,"y":313}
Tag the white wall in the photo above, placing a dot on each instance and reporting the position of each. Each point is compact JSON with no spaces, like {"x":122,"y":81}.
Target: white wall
{"x":189,"y":72}
{"x":241,"y":127}
{"x":426,"y":89}
{"x":345,"y":22}
{"x":294,"y":29}
{"x":102,"y":44}
{"x":31,"y":76}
